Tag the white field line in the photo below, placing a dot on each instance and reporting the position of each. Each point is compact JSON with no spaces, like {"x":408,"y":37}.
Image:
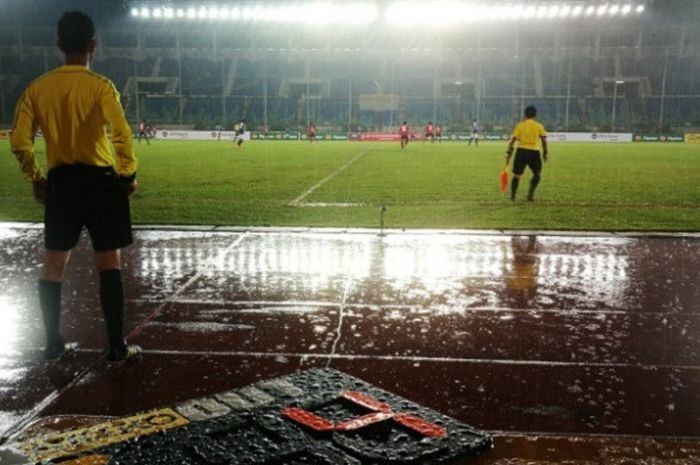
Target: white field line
{"x":296,"y":202}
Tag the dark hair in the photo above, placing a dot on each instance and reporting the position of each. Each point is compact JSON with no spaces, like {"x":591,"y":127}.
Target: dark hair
{"x":404,"y":122}
{"x":530,"y":112}
{"x":75,"y":31}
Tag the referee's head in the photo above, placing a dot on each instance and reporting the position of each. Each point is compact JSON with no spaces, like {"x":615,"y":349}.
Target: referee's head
{"x":530,"y":112}
{"x":76,"y":33}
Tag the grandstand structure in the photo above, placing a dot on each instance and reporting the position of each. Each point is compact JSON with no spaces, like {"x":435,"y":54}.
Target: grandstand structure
{"x":597,"y":73}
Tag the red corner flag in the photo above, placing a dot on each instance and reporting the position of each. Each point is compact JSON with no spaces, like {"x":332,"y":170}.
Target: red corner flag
{"x":504,"y":179}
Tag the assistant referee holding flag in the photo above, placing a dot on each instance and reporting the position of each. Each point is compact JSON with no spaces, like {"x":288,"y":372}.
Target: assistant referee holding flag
{"x":528,"y":134}
{"x":86,"y":185}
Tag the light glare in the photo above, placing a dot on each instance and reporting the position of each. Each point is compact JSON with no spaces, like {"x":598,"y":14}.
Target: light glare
{"x":400,"y":12}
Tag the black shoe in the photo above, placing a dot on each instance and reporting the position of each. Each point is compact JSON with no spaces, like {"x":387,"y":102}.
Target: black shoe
{"x":129,"y":352}
{"x":530,"y":198}
{"x":61,"y":350}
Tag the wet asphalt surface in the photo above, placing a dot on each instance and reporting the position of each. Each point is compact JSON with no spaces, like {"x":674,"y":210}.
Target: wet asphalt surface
{"x":564,"y":347}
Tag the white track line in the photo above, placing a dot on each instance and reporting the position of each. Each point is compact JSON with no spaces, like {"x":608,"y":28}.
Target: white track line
{"x":136,"y":330}
{"x":296,"y":202}
{"x":411,"y":358}
{"x":341,"y":318}
{"x":247,"y":305}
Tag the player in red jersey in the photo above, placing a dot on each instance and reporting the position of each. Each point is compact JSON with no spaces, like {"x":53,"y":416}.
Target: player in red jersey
{"x":143,"y":132}
{"x":404,"y":132}
{"x":429,"y":132}
{"x":311,"y":132}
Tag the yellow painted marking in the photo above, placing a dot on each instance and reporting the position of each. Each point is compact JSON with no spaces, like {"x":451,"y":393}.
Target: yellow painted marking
{"x":91,"y":460}
{"x":104,"y":434}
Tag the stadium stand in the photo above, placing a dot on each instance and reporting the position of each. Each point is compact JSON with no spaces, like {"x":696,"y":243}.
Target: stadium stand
{"x":280,"y":78}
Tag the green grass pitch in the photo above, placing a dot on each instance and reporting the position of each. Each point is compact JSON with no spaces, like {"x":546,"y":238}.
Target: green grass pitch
{"x":648,"y":187}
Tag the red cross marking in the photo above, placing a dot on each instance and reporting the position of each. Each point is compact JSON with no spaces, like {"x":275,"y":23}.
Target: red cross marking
{"x":381,"y":412}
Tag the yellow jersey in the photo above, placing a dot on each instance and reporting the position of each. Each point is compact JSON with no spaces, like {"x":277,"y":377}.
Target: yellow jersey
{"x":528,"y":132}
{"x":71,"y":106}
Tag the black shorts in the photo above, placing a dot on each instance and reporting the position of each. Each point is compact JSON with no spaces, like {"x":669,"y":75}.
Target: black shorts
{"x":526,"y":157}
{"x":90,"y":196}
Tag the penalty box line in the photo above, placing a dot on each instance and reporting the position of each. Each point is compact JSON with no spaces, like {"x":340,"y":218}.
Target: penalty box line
{"x":298,"y":201}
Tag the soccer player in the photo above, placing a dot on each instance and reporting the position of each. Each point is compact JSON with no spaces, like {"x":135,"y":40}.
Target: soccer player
{"x":528,"y":134}
{"x":475,"y":133}
{"x":240,"y":131}
{"x":438,"y":133}
{"x":404,"y":132}
{"x":86,"y":185}
{"x":429,"y":132}
{"x":311,"y":132}
{"x":143,"y":131}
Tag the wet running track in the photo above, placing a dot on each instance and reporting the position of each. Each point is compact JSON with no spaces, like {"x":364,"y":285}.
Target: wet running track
{"x":576,"y":349}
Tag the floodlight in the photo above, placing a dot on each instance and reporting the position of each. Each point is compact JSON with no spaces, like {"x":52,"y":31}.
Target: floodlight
{"x":553,"y":11}
{"x":213,"y":13}
{"x":157,"y":13}
{"x":602,"y":9}
{"x":145,"y":13}
{"x":134,"y":12}
{"x":191,"y":13}
{"x":590,"y":10}
{"x":168,"y":12}
{"x":577,"y":10}
{"x":180,"y":13}
{"x":614,"y":9}
{"x":202,"y":13}
{"x":224,"y":13}
{"x":565,"y":11}
{"x":626,"y":9}
{"x":640,"y":9}
{"x":530,"y":12}
{"x":365,"y":13}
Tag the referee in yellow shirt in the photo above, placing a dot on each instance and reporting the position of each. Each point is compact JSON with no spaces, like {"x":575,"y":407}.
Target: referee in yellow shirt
{"x":86,"y":185}
{"x":528,"y":134}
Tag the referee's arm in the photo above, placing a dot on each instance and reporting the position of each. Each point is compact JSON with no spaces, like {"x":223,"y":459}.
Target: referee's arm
{"x":122,"y":139}
{"x":544,"y":147}
{"x":22,"y":139}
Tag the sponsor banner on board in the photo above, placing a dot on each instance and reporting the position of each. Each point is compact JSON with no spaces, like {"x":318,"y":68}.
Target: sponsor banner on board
{"x":168,"y":134}
{"x":275,"y":135}
{"x":614,"y":137}
{"x":692,"y":138}
{"x":669,"y":137}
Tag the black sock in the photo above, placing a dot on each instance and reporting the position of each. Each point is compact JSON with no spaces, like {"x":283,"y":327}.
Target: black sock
{"x":533,"y":184}
{"x":50,"y":301}
{"x":514,"y":186}
{"x":112,"y":299}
